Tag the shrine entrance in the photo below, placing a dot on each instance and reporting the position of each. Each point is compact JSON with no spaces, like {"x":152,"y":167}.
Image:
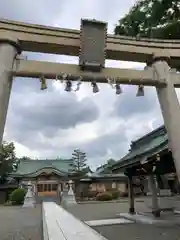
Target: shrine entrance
{"x":93,"y":46}
{"x":47,"y":189}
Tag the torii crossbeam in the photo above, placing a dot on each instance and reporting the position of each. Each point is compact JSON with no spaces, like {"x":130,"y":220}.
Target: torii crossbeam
{"x":93,"y":46}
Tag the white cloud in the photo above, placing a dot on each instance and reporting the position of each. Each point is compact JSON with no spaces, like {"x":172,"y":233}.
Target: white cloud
{"x":22,"y":151}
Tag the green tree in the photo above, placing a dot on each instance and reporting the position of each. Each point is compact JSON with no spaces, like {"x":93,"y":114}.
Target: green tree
{"x":111,"y":161}
{"x":25,"y":158}
{"x":80,"y":168}
{"x":79,"y":164}
{"x":8,"y":161}
{"x":106,"y":168}
{"x":153,"y":19}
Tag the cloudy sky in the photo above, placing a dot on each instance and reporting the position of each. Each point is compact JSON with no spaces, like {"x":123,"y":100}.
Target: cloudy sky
{"x":47,"y":124}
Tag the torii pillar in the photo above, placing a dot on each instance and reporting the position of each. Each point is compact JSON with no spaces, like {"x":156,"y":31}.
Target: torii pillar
{"x":170,"y":108}
{"x":8,"y":51}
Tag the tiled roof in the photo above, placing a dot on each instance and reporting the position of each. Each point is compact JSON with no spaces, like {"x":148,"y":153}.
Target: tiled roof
{"x":106,"y":175}
{"x":28,"y":167}
{"x":146,"y":146}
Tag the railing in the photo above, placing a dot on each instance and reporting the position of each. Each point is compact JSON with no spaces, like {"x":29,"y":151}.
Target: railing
{"x":58,"y":224}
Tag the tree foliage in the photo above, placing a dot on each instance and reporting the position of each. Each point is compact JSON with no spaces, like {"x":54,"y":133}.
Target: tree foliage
{"x":106,"y":168}
{"x":152,"y":19}
{"x":8,"y":161}
{"x":17,"y":196}
{"x":25,"y":158}
{"x":111,"y":161}
{"x":79,"y":164}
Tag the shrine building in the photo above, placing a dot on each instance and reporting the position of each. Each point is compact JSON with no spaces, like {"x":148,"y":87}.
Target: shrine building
{"x":150,"y":162}
{"x":51,"y":177}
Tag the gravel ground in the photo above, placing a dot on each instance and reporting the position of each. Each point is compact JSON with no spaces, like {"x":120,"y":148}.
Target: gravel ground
{"x":139,"y":231}
{"x":17,"y":223}
{"x":132,"y":231}
{"x":99,"y":211}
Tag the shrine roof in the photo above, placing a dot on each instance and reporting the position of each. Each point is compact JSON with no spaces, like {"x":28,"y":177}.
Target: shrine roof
{"x":106,"y":175}
{"x":32,"y":167}
{"x":144,"y":147}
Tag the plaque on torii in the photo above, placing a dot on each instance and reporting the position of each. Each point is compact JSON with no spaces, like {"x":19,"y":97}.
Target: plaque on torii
{"x":93,"y":35}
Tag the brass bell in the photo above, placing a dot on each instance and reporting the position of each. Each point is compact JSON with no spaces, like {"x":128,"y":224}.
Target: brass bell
{"x":79,"y":82}
{"x":118,"y":88}
{"x":43,"y":83}
{"x":95,"y":87}
{"x":140,"y":91}
{"x":68,"y":87}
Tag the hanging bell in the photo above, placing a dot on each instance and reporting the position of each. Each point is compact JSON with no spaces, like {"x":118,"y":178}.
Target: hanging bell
{"x":68,"y":87}
{"x":95,"y":87}
{"x":57,"y":78}
{"x":118,"y":88}
{"x":110,"y":82}
{"x":79,"y":82}
{"x":64,"y":77}
{"x":140,"y":91}
{"x":43,"y":83}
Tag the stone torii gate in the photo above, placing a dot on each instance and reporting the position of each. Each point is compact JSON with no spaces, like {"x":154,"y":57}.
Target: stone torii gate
{"x":93,"y":46}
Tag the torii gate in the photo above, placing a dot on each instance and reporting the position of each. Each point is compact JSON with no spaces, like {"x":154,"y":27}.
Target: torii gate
{"x":93,"y":46}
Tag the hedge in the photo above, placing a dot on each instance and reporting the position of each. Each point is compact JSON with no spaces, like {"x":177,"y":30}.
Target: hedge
{"x":17,"y":196}
{"x":105,"y":196}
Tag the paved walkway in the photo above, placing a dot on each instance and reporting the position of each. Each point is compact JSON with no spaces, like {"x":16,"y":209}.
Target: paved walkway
{"x":17,"y":223}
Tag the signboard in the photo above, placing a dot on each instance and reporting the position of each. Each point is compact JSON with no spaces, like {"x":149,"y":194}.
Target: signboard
{"x":92,"y":45}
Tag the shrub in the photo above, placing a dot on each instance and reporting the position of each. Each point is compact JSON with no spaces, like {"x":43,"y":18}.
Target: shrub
{"x":17,"y":196}
{"x":92,"y":194}
{"x":105,"y":196}
{"x":124,"y":194}
{"x":115,"y":194}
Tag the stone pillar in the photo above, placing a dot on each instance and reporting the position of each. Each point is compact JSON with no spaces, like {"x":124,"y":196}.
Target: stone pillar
{"x":71,"y":196}
{"x":8,"y":52}
{"x":153,"y":189}
{"x":170,"y":109}
{"x":60,"y":191}
{"x":131,"y":195}
{"x":35,"y":189}
{"x":29,"y":198}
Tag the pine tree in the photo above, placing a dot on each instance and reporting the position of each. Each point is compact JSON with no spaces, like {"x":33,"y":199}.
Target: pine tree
{"x":79,"y":161}
{"x":79,"y":168}
{"x":152,"y":19}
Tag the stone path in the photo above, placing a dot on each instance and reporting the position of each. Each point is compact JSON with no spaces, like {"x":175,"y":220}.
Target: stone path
{"x":104,"y":222}
{"x":17,"y":223}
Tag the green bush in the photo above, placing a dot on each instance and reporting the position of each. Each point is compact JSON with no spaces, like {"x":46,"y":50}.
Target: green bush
{"x":115,"y":194}
{"x":124,"y":194}
{"x":105,"y":196}
{"x":92,"y":194}
{"x":17,"y":196}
